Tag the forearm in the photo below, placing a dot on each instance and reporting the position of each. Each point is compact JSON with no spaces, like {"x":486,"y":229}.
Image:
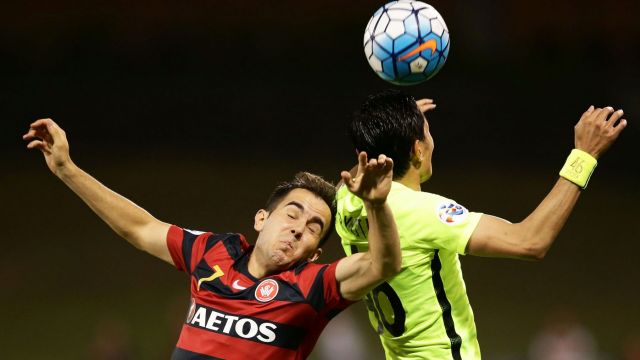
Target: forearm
{"x":531,"y":238}
{"x":384,"y":242}
{"x":126,"y":218}
{"x":542,"y":226}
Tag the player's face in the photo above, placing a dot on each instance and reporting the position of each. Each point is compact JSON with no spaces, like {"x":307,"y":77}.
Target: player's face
{"x":292,"y":231}
{"x":426,"y":167}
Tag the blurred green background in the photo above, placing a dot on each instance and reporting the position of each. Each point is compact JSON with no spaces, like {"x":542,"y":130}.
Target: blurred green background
{"x":196,"y":110}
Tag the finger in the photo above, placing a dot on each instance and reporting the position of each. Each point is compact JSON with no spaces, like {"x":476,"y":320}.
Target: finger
{"x":621,"y":125}
{"x":36,"y":144}
{"x":593,"y":114}
{"x":39,"y":129}
{"x":602,"y":116}
{"x":53,"y":128}
{"x":29,"y":135}
{"x":613,"y":119}
{"x":382,"y":159}
{"x":346,"y":177}
{"x":362,"y":159}
{"x":362,"y":164}
{"x":40,"y":122}
{"x":587,"y":112}
{"x":426,"y":108}
{"x":425,"y":105}
{"x":389,"y":164}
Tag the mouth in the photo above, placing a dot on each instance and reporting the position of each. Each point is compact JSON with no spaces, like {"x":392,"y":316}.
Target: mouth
{"x":287,"y":245}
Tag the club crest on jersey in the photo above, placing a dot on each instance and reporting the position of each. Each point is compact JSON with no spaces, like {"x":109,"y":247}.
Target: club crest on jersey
{"x":451,"y":213}
{"x":267,"y":290}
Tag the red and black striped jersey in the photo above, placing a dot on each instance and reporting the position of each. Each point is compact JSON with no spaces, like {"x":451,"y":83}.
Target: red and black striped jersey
{"x":234,"y":315}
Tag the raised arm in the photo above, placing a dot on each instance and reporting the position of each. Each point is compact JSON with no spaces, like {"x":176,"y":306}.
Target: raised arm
{"x":359,"y":273}
{"x":530,"y":239}
{"x":127,"y":219}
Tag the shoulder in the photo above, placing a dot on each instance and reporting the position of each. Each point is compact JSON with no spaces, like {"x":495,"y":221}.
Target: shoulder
{"x":235,"y":244}
{"x":405,"y":200}
{"x":308,"y":274}
{"x":201,"y":242}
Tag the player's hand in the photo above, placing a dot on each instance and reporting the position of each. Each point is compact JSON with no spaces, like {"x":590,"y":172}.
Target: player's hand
{"x":425,"y":105}
{"x":598,"y":129}
{"x":46,"y":136}
{"x":372,"y":182}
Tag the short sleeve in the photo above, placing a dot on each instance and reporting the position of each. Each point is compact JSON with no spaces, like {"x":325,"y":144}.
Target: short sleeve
{"x":186,"y":247}
{"x":444,"y":224}
{"x":332,"y":296}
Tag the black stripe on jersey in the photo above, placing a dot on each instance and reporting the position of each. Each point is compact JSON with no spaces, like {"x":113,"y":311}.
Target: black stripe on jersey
{"x":234,"y":245}
{"x":212,"y":240}
{"x":182,"y":354}
{"x":298,"y":269}
{"x":316,"y":294}
{"x":247,"y":327}
{"x":202,"y":271}
{"x":286,"y":291}
{"x":438,"y":286}
{"x":188,"y":239}
{"x":242,"y":265}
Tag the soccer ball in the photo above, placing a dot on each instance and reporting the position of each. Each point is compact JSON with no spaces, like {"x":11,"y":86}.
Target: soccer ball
{"x":406,"y":42}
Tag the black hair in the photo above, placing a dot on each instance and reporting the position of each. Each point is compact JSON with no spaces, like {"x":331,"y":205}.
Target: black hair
{"x":388,"y":123}
{"x":315,"y":184}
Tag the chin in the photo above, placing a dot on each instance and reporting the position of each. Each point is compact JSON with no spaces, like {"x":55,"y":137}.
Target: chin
{"x":281,"y":260}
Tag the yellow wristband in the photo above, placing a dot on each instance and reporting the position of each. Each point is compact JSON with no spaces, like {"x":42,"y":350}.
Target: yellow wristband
{"x":579,"y":167}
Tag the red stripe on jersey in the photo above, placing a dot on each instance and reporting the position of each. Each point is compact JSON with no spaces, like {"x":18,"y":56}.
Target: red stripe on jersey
{"x":174,"y":243}
{"x":197,"y":251}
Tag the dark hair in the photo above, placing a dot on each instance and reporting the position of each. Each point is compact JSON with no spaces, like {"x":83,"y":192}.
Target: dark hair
{"x":314,"y":183}
{"x":388,"y":123}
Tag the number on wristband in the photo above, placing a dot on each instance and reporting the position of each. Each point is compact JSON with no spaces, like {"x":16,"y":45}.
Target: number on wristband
{"x":577,"y":165}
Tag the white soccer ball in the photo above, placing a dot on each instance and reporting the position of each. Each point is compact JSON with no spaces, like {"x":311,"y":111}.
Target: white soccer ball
{"x":406,"y":42}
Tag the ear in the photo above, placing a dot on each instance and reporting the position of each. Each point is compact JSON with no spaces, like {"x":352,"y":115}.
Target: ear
{"x":417,"y":154}
{"x":259,"y":219}
{"x":316,"y":254}
{"x":417,"y":150}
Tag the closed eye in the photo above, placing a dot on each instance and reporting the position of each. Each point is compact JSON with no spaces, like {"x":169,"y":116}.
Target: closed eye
{"x":314,"y":228}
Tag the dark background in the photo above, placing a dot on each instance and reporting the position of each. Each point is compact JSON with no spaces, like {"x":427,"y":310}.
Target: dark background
{"x":195,"y":110}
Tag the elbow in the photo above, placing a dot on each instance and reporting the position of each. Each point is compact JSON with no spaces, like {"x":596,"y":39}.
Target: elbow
{"x":390,"y":268}
{"x":397,"y":266}
{"x":133,"y":237}
{"x":534,"y":253}
{"x":536,"y":256}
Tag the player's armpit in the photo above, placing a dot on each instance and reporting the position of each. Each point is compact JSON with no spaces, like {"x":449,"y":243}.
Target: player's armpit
{"x":496,"y":237}
{"x":355,"y":276}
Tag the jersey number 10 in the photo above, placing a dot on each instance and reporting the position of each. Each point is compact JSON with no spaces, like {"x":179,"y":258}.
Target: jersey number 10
{"x":387,"y":307}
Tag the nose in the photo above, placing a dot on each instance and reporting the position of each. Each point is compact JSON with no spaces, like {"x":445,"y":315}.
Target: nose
{"x":296,"y":230}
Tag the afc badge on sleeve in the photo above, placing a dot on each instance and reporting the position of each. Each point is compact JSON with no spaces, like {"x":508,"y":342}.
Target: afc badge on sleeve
{"x":451,"y":213}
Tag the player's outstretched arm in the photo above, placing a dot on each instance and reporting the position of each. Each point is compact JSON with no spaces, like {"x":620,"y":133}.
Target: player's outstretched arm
{"x":127,"y":219}
{"x":359,"y":273}
{"x":596,"y":131}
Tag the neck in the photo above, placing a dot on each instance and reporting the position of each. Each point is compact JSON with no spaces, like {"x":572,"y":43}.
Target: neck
{"x":411,"y":179}
{"x":256,"y":268}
